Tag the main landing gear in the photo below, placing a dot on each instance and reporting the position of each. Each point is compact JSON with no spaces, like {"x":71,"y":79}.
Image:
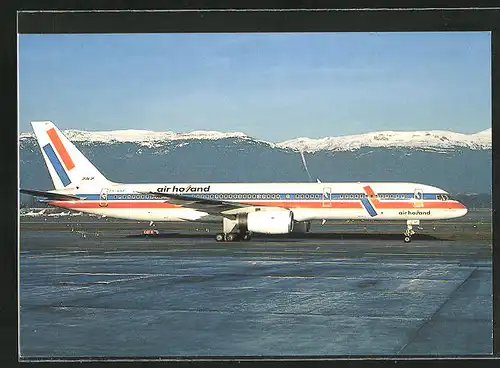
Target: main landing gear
{"x":409,"y":230}
{"x":232,"y":237}
{"x":234,"y":229}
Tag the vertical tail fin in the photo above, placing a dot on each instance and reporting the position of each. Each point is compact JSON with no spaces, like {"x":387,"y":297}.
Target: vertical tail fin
{"x":68,"y":167}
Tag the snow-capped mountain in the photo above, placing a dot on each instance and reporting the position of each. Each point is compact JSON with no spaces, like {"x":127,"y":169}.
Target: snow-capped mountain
{"x":145,"y":138}
{"x":431,"y":140}
{"x":454,"y":161}
{"x":434,"y":140}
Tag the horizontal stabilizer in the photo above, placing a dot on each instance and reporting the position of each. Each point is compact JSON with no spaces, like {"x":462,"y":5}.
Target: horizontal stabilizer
{"x":51,"y":195}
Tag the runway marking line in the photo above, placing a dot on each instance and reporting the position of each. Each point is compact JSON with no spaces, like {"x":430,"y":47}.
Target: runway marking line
{"x":104,"y":274}
{"x":293,"y":277}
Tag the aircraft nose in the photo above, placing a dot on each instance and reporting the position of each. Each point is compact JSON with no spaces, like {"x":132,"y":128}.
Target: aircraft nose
{"x":463,"y":210}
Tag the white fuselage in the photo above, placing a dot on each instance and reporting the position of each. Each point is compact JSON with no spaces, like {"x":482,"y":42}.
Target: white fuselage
{"x":307,"y":201}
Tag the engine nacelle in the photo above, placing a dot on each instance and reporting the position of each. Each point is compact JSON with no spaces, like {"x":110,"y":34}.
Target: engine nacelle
{"x":270,"y":222}
{"x":301,"y":227}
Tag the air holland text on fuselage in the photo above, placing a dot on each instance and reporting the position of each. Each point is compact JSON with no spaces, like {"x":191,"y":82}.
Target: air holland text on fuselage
{"x":242,"y":208}
{"x":415,"y":213}
{"x":189,"y":189}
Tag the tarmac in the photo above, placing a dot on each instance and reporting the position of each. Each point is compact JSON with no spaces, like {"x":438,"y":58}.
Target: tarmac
{"x":99,"y":289}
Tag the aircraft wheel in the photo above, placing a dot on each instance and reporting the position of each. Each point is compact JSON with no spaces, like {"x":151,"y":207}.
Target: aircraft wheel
{"x":231,"y":237}
{"x":407,"y":239}
{"x":247,"y":237}
{"x":219,"y":237}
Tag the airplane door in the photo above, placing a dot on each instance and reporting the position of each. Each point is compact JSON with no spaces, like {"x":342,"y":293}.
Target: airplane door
{"x":327,"y":197}
{"x":103,"y":197}
{"x":418,"y":198}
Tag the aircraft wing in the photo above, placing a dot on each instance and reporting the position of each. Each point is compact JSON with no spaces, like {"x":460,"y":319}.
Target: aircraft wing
{"x":210,"y":206}
{"x":51,"y":195}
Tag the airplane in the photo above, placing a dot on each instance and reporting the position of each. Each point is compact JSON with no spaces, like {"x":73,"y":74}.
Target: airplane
{"x":243,"y":208}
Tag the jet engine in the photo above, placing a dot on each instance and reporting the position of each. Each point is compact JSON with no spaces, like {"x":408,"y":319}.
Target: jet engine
{"x":267,"y":222}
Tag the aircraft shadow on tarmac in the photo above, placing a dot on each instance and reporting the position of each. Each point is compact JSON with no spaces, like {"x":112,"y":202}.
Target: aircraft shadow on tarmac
{"x":310,"y":236}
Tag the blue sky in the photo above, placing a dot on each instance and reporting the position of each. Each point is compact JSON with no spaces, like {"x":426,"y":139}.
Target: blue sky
{"x":269,"y":86}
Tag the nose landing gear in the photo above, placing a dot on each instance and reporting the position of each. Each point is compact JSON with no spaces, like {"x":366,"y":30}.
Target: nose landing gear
{"x":409,"y":230}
